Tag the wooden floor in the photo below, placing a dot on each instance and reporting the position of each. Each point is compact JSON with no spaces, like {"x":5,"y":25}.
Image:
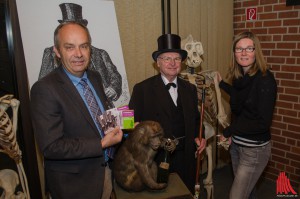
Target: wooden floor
{"x":223,"y":178}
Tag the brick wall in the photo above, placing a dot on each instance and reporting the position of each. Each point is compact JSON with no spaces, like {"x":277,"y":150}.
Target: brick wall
{"x":278,"y":27}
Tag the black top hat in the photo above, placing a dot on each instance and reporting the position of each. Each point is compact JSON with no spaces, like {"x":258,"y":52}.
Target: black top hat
{"x":72,"y":12}
{"x":169,"y":43}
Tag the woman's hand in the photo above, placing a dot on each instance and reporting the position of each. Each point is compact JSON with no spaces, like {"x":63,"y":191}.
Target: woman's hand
{"x":223,"y":141}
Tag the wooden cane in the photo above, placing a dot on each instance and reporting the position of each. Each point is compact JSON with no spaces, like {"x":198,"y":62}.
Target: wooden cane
{"x":197,"y":185}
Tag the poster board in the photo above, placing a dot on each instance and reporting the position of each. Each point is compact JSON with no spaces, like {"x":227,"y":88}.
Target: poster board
{"x":39,"y":18}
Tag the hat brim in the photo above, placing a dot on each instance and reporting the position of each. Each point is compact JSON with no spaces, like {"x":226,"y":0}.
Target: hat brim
{"x":82,"y":21}
{"x":183,"y":53}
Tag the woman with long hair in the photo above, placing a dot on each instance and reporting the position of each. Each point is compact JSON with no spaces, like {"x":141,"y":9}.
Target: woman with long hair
{"x":252,"y":89}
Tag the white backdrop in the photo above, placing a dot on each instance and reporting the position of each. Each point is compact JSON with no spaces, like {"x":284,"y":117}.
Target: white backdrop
{"x":39,"y":18}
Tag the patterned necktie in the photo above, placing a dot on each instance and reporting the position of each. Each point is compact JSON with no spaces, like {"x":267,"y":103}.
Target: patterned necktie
{"x":95,"y":110}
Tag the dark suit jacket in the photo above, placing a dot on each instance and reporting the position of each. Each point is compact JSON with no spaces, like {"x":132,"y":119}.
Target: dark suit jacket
{"x":150,"y":101}
{"x":67,"y":136}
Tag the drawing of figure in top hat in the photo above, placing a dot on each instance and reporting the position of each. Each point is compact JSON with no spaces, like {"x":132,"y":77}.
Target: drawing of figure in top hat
{"x":100,"y":59}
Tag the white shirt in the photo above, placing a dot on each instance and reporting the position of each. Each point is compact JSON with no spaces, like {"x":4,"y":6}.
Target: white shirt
{"x":173,"y":91}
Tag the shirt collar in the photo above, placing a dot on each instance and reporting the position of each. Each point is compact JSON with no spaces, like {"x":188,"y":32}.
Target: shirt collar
{"x":75,"y":80}
{"x":166,"y":81}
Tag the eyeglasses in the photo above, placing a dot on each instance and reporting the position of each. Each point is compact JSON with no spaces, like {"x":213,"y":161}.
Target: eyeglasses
{"x":247,"y":50}
{"x":169,"y":59}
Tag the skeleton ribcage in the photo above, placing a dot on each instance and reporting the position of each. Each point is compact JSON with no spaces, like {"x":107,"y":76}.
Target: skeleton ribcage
{"x":8,"y":139}
{"x":214,"y":112}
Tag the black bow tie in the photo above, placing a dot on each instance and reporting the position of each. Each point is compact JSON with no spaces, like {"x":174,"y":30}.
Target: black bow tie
{"x":168,"y":86}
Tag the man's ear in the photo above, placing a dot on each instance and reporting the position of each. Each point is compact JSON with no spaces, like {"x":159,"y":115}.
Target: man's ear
{"x":56,"y":52}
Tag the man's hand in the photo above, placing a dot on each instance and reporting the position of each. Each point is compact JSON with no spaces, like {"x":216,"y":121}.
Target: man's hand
{"x":112,"y":137}
{"x":200,"y":145}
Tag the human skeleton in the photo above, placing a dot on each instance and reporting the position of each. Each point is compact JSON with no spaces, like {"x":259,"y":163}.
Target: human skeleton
{"x":8,"y":144}
{"x":214,"y":111}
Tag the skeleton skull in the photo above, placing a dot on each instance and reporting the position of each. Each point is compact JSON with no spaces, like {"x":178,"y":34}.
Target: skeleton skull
{"x":194,"y":50}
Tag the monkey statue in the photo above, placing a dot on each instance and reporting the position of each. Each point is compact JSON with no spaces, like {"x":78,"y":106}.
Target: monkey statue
{"x":134,"y":166}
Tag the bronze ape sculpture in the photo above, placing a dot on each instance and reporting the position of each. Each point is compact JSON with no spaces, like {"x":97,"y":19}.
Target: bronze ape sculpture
{"x":134,"y":165}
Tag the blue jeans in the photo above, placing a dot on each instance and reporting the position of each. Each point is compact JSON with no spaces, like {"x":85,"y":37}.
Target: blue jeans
{"x":248,"y":165}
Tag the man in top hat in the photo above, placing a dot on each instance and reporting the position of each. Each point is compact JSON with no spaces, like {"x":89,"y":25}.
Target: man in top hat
{"x":173,"y":103}
{"x":100,"y":60}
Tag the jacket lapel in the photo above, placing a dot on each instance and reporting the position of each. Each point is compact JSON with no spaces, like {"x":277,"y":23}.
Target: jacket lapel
{"x":183,"y":93}
{"x":98,"y":86}
{"x":162,"y":96}
{"x":72,"y":92}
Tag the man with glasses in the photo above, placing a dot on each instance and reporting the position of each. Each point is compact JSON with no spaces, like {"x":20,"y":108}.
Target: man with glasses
{"x":173,"y":103}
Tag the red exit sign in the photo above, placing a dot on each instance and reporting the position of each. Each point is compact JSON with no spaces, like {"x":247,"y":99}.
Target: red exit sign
{"x":251,"y":14}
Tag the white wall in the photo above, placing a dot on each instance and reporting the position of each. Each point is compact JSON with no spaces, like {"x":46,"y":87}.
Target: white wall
{"x":38,"y":20}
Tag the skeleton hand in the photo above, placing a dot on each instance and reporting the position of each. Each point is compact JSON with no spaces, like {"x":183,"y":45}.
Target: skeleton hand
{"x":169,"y":145}
{"x":224,"y":142}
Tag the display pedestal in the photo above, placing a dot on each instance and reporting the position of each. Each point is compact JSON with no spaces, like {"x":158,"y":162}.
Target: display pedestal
{"x":176,"y":190}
